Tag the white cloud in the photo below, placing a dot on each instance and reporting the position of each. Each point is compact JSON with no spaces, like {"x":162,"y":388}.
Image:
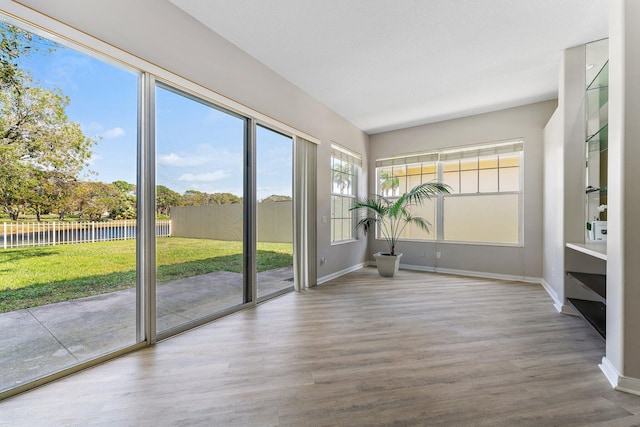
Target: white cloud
{"x":202,"y":154}
{"x":204,"y":177}
{"x":114,"y":133}
{"x":179,"y":161}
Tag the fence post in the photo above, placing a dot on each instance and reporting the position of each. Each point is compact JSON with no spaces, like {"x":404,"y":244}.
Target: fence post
{"x":5,"y":235}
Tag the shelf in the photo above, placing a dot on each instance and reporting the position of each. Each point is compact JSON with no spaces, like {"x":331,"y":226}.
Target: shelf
{"x":601,"y":80}
{"x":597,"y":110}
{"x":593,"y":312}
{"x":587,"y":292}
{"x":599,"y":141}
{"x":598,"y":250}
{"x":596,"y":283}
{"x":598,"y":191}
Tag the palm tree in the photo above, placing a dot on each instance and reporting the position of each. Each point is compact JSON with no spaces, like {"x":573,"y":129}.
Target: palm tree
{"x":393,"y":216}
{"x":388,"y":183}
{"x":342,"y":177}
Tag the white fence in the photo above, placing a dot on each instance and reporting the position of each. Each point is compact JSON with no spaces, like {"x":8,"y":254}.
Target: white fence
{"x":21,"y":234}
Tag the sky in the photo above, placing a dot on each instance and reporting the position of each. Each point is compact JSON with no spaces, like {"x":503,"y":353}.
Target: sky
{"x":198,"y":147}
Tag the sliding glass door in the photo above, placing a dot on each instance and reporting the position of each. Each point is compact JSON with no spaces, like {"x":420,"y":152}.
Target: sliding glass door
{"x":274,"y":190}
{"x":130,"y":210}
{"x":67,"y":206}
{"x":199,"y":190}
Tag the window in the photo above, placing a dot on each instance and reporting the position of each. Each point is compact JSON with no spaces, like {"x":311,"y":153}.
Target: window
{"x":486,"y":192}
{"x":399,"y":175}
{"x":345,"y":169}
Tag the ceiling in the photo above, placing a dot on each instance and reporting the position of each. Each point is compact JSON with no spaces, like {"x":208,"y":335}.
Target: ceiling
{"x":390,"y":64}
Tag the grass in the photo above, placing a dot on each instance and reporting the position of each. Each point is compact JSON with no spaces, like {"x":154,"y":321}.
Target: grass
{"x":43,"y":275}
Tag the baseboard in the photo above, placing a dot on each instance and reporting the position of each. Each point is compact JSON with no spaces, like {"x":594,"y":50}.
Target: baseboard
{"x":567,"y":309}
{"x":414,"y":267}
{"x":618,"y":381}
{"x":470,"y":273}
{"x":557,"y":304}
{"x":337,"y":274}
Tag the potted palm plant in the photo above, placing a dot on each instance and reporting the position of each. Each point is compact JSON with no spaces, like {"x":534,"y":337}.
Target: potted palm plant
{"x":392,"y":216}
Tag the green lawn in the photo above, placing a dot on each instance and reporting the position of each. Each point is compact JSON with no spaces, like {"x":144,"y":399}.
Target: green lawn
{"x":42,"y":275}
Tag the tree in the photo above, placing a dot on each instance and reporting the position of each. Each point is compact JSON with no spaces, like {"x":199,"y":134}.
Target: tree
{"x":223,"y":199}
{"x":199,"y":198}
{"x":14,"y":44}
{"x":41,"y":197}
{"x":15,"y":185}
{"x":125,"y":187}
{"x":38,"y":143}
{"x":195,"y":198}
{"x":125,"y":208}
{"x":388,"y":183}
{"x":342,"y":174}
{"x":275,"y":198}
{"x":65,"y":201}
{"x":165,"y":198}
{"x":95,"y":199}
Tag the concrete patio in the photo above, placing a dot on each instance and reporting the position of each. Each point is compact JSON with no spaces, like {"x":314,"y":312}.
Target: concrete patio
{"x":40,"y":340}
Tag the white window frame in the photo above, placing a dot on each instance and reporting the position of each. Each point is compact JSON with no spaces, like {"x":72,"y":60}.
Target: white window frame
{"x":354,"y":159}
{"x":469,"y":151}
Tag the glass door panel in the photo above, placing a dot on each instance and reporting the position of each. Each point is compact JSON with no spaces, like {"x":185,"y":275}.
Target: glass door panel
{"x":199,"y":169}
{"x":68,"y":203}
{"x":274,"y":190}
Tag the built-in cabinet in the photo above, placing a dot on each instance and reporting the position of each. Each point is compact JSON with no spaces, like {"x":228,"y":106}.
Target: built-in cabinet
{"x":586,"y":284}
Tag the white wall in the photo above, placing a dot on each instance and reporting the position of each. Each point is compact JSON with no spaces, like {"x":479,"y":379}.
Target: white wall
{"x":564,"y":179}
{"x":522,"y":122}
{"x":163,"y":35}
{"x":623,"y":242}
{"x":553,"y":246}
{"x":565,"y":170}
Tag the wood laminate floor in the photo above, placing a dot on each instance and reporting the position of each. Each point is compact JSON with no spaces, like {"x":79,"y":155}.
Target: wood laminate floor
{"x":419,"y":349}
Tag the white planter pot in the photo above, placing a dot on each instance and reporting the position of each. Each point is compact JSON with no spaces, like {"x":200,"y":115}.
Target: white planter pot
{"x":388,"y":265}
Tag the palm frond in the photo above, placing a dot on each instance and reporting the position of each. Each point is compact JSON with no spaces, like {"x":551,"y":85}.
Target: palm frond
{"x":426,"y":191}
{"x":393,"y":215}
{"x":422,"y":223}
{"x":374,"y":204}
{"x":367,"y":223}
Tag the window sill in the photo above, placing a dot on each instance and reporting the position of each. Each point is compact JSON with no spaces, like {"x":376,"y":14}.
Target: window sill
{"x":344,"y":242}
{"x":452,"y":242}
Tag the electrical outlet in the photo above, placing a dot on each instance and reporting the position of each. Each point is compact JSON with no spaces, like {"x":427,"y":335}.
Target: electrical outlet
{"x":324,"y":219}
{"x":323,"y":261}
{"x":438,"y":255}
